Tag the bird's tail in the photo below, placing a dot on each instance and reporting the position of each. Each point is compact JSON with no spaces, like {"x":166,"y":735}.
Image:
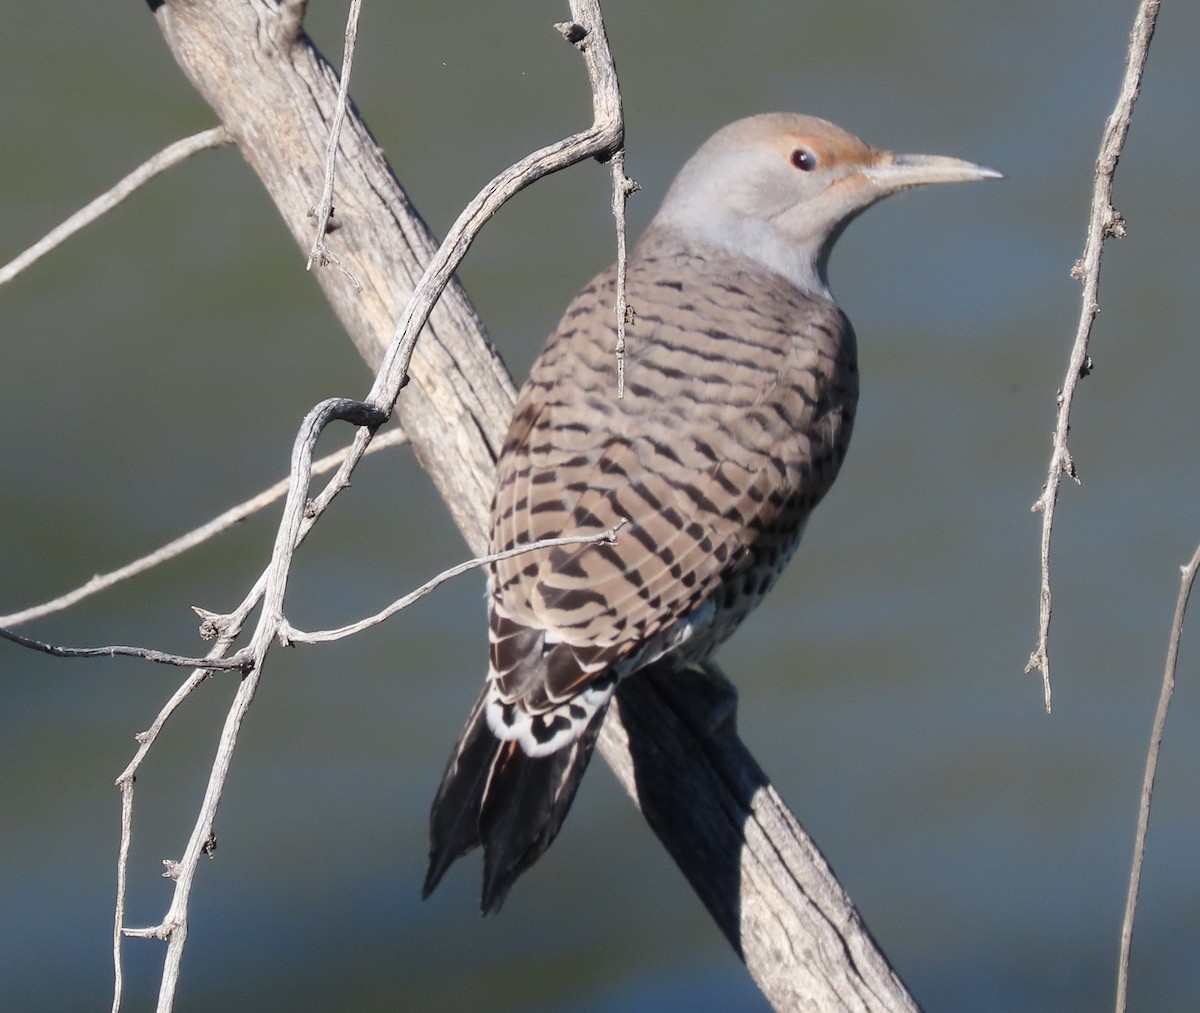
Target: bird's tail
{"x":495,"y":796}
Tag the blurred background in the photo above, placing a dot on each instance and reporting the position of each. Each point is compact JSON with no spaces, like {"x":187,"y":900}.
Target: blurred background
{"x":155,"y":370}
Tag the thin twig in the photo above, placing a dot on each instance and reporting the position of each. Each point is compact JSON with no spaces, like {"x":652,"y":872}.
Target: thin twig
{"x":116,"y":650}
{"x":622,"y":187}
{"x":122,"y":885}
{"x":1187,"y":579}
{"x":175,"y":924}
{"x":1104,"y":222}
{"x":222,"y":522}
{"x":170,"y":156}
{"x":325,"y":636}
{"x":320,"y":253}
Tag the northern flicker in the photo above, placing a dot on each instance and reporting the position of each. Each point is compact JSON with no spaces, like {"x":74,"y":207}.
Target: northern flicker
{"x":740,"y":392}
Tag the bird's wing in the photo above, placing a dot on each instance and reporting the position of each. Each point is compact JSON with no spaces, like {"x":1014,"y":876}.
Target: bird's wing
{"x":711,"y":450}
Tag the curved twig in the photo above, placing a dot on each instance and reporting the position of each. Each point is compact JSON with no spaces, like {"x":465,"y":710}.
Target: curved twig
{"x":602,"y":139}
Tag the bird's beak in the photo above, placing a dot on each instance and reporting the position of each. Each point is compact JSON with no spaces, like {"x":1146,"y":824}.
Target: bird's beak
{"x":891,"y":173}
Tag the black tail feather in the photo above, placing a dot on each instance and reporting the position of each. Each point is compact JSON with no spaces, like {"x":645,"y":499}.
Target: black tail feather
{"x":454,"y":817}
{"x":493,"y":795}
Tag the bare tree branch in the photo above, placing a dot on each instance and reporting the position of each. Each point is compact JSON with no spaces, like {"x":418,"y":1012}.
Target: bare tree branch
{"x":623,"y":187}
{"x":325,"y":636}
{"x":1104,"y":222}
{"x":320,"y":253}
{"x":603,"y":138}
{"x":1187,"y":579}
{"x":122,"y":888}
{"x":166,"y":159}
{"x":222,"y":522}
{"x":115,"y":651}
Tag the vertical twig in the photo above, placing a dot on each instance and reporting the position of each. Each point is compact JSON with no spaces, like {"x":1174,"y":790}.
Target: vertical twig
{"x":122,"y":884}
{"x":622,"y":187}
{"x":320,"y":254}
{"x":1104,"y":222}
{"x":1187,"y":579}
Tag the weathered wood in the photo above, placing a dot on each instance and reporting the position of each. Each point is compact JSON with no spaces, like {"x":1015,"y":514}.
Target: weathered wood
{"x":671,"y":740}
{"x":746,"y":856}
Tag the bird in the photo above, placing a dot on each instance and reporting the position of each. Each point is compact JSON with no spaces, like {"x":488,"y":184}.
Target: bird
{"x":740,"y":389}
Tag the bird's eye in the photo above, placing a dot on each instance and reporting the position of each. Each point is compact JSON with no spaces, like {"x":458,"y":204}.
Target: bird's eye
{"x":804,"y":160}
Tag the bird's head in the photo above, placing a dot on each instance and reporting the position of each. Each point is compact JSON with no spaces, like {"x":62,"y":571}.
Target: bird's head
{"x":779,"y":188}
